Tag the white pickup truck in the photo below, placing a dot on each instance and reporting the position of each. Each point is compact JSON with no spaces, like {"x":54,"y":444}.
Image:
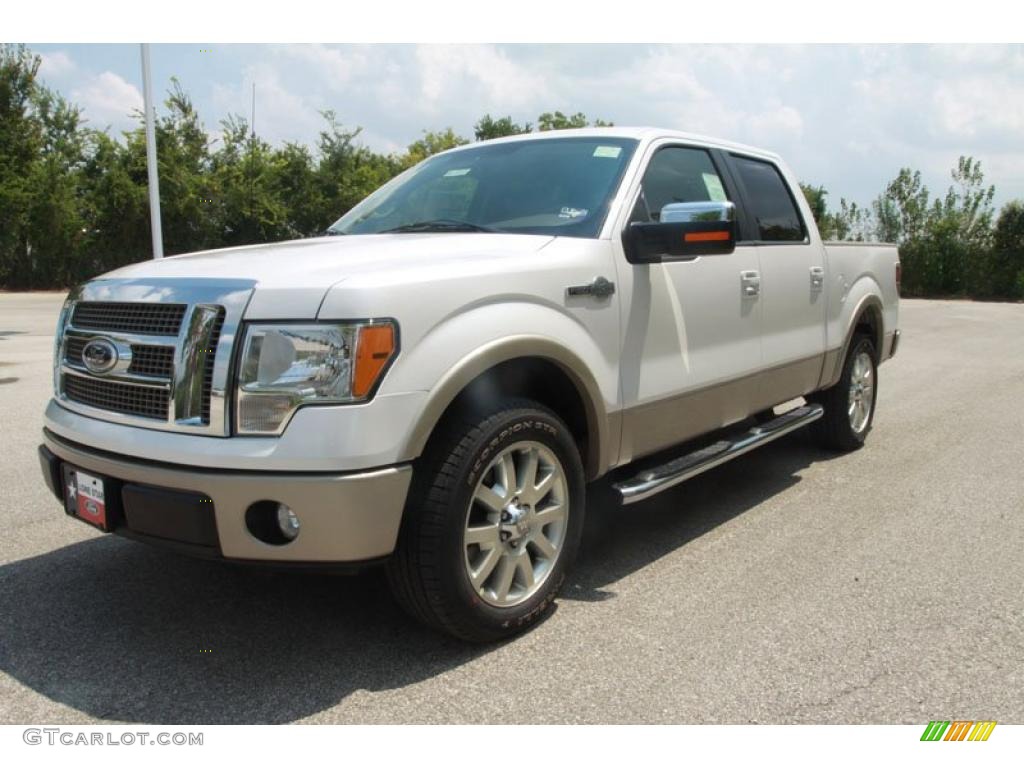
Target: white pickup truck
{"x":433,"y":383}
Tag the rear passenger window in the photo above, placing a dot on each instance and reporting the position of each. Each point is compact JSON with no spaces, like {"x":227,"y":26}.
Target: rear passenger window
{"x":678,"y":175}
{"x":769,"y":201}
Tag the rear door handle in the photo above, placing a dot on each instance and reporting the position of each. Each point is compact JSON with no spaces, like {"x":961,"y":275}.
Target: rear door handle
{"x":750,"y":283}
{"x":817,"y":278}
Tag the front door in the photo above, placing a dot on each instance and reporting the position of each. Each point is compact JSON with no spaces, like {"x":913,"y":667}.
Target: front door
{"x":691,"y":330}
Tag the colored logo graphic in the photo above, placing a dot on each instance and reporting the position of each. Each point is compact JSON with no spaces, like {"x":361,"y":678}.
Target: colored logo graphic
{"x":958,"y":730}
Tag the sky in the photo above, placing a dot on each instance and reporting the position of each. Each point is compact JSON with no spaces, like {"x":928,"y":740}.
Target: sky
{"x":847,"y":117}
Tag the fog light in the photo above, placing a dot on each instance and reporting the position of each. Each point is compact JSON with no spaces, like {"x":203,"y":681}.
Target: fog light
{"x":272,"y":522}
{"x":287,"y":521}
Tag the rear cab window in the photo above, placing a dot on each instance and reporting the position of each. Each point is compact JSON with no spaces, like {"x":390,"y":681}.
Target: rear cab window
{"x":769,"y":201}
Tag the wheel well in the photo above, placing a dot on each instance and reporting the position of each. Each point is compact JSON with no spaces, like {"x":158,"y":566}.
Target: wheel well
{"x":537,"y":379}
{"x":870,"y":324}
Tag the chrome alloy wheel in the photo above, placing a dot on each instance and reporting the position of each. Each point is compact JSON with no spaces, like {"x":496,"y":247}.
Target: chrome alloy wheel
{"x":516,"y":524}
{"x":862,"y":392}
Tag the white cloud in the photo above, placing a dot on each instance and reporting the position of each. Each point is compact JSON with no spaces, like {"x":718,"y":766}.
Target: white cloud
{"x":282,"y":114}
{"x":108,"y":99}
{"x":782,"y":123}
{"x":964,"y":107}
{"x":55,"y":64}
{"x":480,"y":73}
{"x":335,"y":67}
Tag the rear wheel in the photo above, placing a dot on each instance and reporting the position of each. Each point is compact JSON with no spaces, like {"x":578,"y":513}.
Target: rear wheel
{"x":493,"y":523}
{"x":850,"y":403}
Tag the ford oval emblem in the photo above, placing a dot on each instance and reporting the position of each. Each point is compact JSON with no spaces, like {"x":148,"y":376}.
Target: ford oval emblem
{"x":99,"y":356}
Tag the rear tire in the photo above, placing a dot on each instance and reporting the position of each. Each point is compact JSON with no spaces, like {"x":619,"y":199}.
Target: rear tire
{"x":492,"y":525}
{"x":850,"y":403}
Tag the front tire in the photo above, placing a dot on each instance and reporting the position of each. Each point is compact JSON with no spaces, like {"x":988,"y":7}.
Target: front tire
{"x":850,"y":403}
{"x":493,"y":523}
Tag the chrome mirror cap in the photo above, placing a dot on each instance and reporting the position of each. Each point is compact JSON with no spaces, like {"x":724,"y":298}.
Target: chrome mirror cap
{"x":709,"y":210}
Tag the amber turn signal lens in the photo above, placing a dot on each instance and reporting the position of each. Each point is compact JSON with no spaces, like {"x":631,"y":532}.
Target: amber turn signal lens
{"x":373,"y":351}
{"x":706,"y":237}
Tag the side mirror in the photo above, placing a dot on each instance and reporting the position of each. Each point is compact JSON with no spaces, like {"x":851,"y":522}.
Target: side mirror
{"x":686,"y":231}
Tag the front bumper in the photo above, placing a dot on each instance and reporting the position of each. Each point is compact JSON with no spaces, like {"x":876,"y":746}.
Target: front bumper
{"x":345,"y":517}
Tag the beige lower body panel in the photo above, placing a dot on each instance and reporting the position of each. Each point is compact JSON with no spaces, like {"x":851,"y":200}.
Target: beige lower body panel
{"x":344,"y":518}
{"x":832,"y":370}
{"x":651,"y":427}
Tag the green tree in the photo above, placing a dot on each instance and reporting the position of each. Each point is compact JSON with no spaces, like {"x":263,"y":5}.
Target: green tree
{"x":968,"y":203}
{"x":903,"y":210}
{"x":850,"y":222}
{"x":115,"y":205}
{"x":555,"y":121}
{"x":21,"y":139}
{"x":183,"y":154}
{"x":819,"y":207}
{"x":431,"y":143}
{"x":887,"y":220}
{"x":346,"y":171}
{"x":293,"y":182}
{"x":54,"y":216}
{"x":489,"y":128}
{"x":1008,"y":251}
{"x":243,"y":200}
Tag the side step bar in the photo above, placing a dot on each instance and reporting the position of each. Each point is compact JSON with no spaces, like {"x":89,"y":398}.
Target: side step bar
{"x":658,"y":479}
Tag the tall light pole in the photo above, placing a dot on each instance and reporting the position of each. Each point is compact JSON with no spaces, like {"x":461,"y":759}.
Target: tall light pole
{"x":154,"y":180}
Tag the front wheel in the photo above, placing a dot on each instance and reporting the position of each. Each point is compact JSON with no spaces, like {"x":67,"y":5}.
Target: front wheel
{"x":850,"y":403}
{"x":492,"y":525}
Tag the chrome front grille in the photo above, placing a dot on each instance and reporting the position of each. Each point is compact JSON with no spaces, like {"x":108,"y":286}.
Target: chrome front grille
{"x":172,"y":343}
{"x":208,"y":366}
{"x":129,"y":317}
{"x":149,"y":360}
{"x":73,"y":346}
{"x":146,"y":402}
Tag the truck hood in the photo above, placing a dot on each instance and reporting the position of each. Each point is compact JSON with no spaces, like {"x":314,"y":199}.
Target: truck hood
{"x":293,"y":277}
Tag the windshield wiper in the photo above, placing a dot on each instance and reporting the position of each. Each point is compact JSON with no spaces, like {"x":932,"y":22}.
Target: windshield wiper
{"x":334,"y":232}
{"x":441,"y":225}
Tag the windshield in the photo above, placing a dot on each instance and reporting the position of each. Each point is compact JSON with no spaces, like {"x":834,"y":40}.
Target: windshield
{"x":542,"y":186}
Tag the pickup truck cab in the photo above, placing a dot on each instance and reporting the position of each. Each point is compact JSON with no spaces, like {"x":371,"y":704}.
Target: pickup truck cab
{"x":433,"y":384}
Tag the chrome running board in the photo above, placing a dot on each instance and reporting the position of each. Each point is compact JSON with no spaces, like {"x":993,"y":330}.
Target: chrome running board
{"x":658,"y":479}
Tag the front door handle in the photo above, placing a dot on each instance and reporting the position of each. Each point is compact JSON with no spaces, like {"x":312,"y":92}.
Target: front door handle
{"x":599,"y":287}
{"x":817,"y":278}
{"x":750,"y":283}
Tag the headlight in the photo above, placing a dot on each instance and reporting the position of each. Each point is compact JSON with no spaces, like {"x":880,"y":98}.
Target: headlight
{"x":58,"y":344}
{"x":287,"y":366}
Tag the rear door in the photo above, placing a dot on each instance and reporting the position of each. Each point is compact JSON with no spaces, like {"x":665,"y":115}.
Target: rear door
{"x":792,"y":263}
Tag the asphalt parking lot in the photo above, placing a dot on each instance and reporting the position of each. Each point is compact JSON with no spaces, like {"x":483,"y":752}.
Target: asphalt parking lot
{"x":790,"y":586}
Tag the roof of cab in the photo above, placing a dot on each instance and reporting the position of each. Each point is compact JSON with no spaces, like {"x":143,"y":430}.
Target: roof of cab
{"x":631,"y":132}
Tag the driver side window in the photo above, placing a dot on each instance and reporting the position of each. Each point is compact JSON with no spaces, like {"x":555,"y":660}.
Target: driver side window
{"x":677,"y":175}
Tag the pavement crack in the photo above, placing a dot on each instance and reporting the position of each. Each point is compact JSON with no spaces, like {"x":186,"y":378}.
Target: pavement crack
{"x":836,"y":697}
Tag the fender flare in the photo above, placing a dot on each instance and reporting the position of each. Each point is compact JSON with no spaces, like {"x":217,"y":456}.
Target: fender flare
{"x":833,"y":368}
{"x":502,"y":350}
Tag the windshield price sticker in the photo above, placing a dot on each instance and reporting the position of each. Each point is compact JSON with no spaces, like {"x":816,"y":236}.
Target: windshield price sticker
{"x":713,"y":184}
